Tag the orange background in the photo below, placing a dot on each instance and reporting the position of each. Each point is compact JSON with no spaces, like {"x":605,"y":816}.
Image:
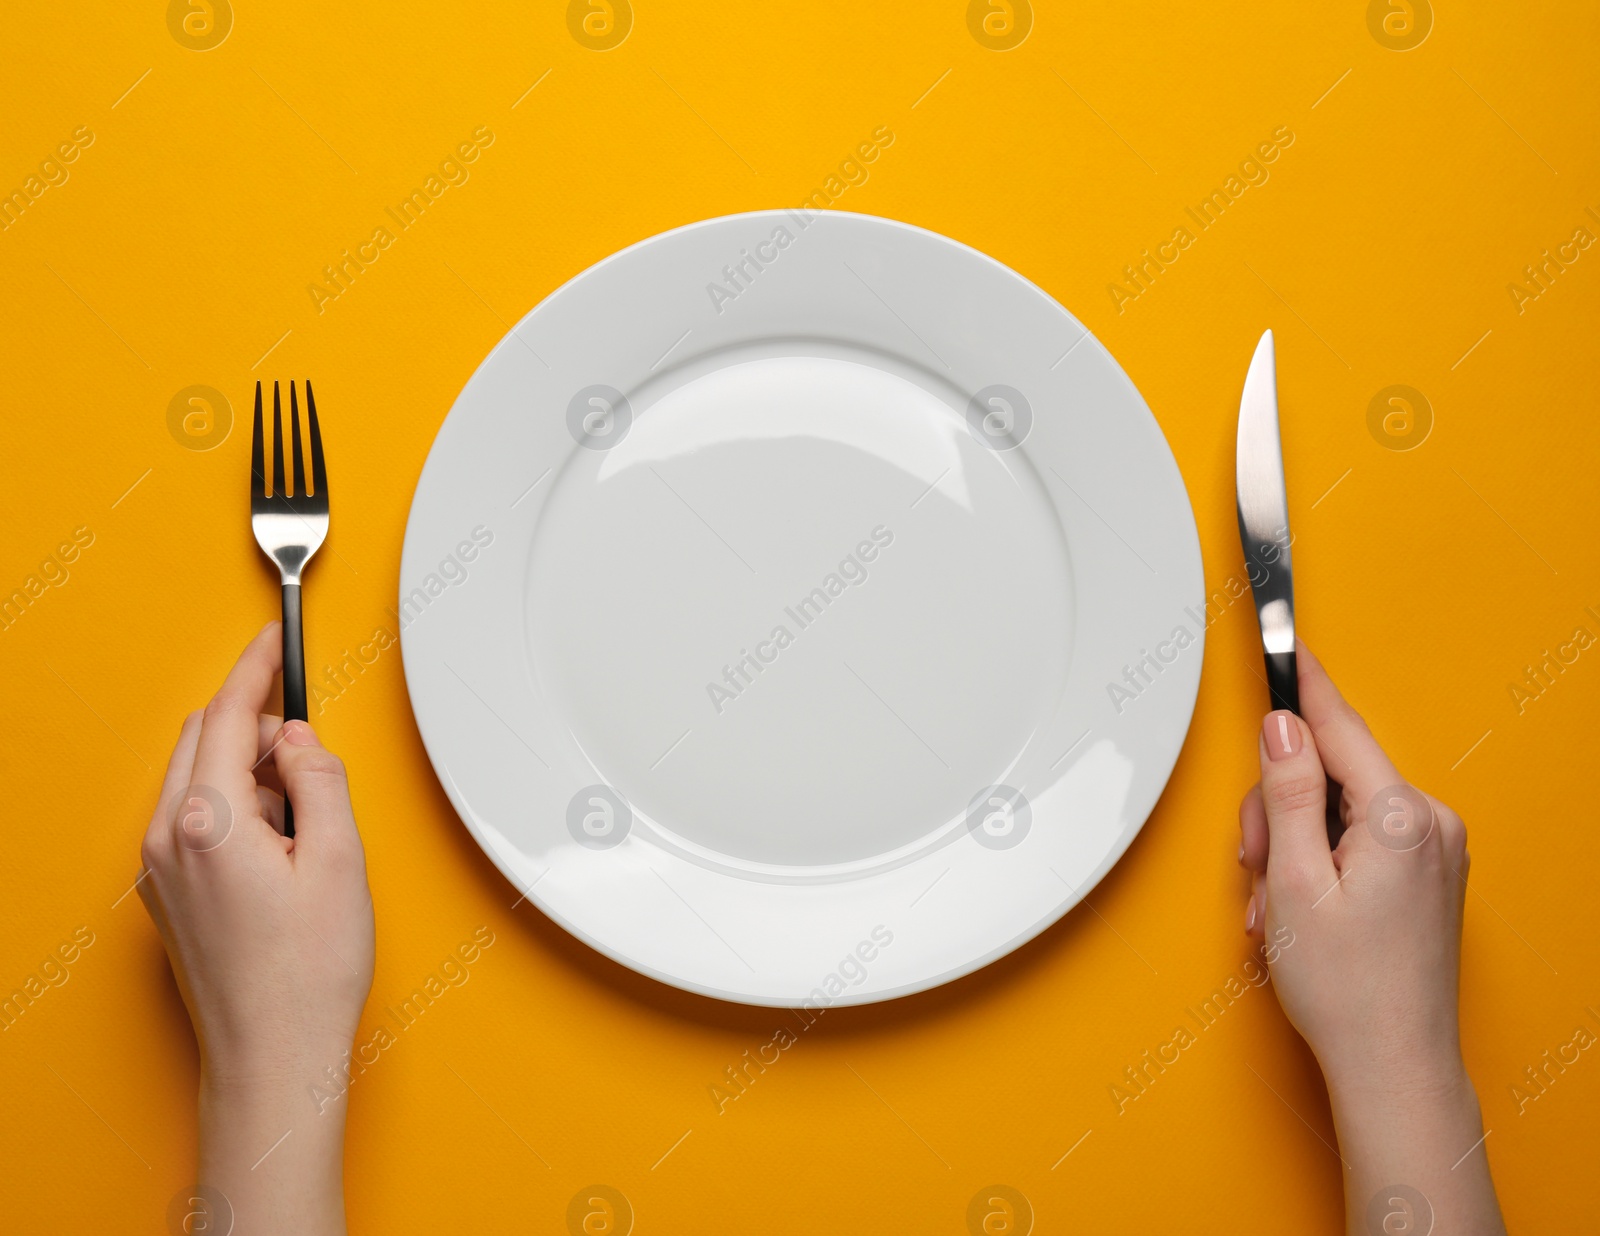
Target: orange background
{"x":220,"y":182}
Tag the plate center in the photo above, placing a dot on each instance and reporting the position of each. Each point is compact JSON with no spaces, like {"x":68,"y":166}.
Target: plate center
{"x":799,"y":615}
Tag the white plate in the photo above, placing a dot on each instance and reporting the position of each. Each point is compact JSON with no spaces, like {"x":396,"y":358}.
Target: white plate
{"x":797,"y":423}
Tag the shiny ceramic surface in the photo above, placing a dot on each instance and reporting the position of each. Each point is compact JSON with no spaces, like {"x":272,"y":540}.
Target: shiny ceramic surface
{"x":802,"y":608}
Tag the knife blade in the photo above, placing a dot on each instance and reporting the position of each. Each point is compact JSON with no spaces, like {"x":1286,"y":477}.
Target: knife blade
{"x":1263,"y":501}
{"x":1264,"y":522}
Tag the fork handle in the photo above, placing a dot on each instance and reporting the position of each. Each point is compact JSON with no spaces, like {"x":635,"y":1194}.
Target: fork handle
{"x":294,"y":677}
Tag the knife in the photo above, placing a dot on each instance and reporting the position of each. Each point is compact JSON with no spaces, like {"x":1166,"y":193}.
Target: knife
{"x":1264,"y":522}
{"x":1264,"y":534}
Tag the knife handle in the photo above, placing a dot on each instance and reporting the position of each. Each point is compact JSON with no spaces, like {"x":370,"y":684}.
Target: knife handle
{"x":1283,"y":681}
{"x":1283,"y":684}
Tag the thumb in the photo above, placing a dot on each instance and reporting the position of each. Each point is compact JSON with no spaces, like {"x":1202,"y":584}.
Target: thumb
{"x":315,"y":784}
{"x":1294,"y":790}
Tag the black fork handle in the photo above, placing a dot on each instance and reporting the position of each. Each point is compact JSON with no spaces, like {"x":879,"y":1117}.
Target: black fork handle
{"x":1283,"y":684}
{"x":294,"y":677}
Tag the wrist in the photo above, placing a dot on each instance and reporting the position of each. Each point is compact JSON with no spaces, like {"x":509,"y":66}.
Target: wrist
{"x":1412,"y":1134}
{"x":1376,"y":1078}
{"x":273,"y":1067}
{"x":275,"y":1160}
{"x":250,"y":1114}
{"x":1413,"y":1094}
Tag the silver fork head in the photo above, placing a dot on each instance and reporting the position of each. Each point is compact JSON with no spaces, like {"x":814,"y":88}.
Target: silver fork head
{"x":289,"y":527}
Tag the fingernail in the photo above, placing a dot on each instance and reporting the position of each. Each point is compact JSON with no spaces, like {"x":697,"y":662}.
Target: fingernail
{"x":1281,"y":732}
{"x":1250,"y":916}
{"x":1241,"y":853}
{"x":300,"y":734}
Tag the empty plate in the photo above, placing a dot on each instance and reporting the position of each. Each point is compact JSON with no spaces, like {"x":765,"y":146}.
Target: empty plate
{"x":802,"y":608}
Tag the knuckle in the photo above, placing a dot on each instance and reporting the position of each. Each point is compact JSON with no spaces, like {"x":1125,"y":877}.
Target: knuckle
{"x":1452,"y":831}
{"x":221,"y":707}
{"x":1297,"y":880}
{"x":320,"y":762}
{"x":343,"y":847}
{"x":1348,"y":716}
{"x":1293,"y":795}
{"x":321,"y":781}
{"x":1350,"y":814}
{"x":153,"y":848}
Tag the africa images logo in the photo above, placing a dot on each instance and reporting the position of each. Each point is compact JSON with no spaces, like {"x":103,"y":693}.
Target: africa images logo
{"x":747,"y":666}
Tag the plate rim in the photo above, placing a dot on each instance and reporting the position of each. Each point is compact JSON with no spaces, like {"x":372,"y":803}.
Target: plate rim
{"x":1190,"y":552}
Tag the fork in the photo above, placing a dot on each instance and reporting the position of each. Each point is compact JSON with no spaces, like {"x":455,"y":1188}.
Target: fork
{"x":289,"y":528}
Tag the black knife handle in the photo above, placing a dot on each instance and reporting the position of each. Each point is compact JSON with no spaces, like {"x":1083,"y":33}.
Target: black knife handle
{"x":294,"y":677}
{"x":1283,"y":684}
{"x":1283,"y":681}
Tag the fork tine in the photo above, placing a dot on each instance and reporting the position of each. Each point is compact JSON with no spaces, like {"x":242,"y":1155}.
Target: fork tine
{"x":319,"y":478}
{"x":277,"y":444}
{"x":258,"y":470}
{"x":294,"y":437}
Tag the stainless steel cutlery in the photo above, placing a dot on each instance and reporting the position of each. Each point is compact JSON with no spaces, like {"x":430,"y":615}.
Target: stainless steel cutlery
{"x":290,"y":526}
{"x":1263,"y":502}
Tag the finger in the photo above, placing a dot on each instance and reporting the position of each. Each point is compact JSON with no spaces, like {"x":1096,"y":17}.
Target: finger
{"x":1294,"y":793}
{"x":1452,"y":832}
{"x":271,"y":804}
{"x":1253,"y":831}
{"x":152,"y":905}
{"x":180,"y":772}
{"x":319,"y":790}
{"x":1349,"y":752}
{"x":1255,"y":911}
{"x":266,"y":770}
{"x":267,"y":728}
{"x":229,"y":734}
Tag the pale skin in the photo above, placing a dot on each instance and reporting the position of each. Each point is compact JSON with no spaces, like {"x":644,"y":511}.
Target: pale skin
{"x":1371,"y":978}
{"x":271,"y":942}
